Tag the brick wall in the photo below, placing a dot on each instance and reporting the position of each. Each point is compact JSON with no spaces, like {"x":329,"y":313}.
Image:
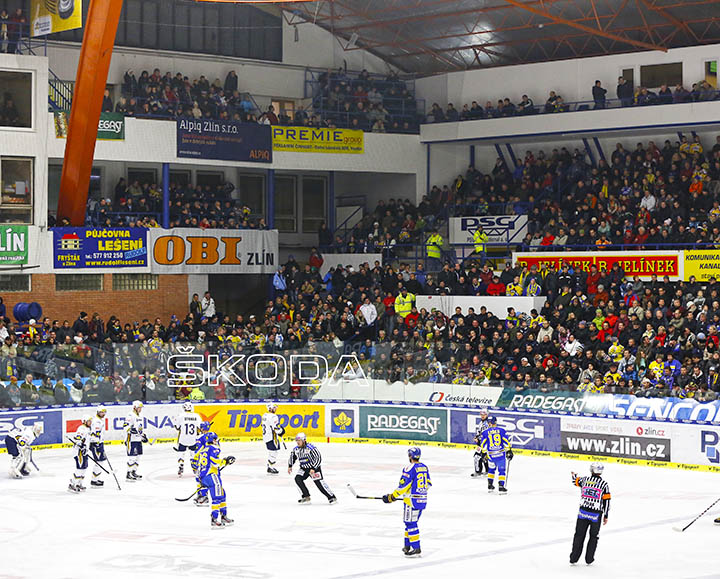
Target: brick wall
{"x":171,"y":297}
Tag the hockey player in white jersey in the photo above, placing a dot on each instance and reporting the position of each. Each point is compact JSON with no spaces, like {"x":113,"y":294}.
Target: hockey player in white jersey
{"x":480,"y":459}
{"x":18,"y":443}
{"x":272,"y":432}
{"x":134,"y":438}
{"x":81,"y":443}
{"x":97,"y":446}
{"x":188,"y":426}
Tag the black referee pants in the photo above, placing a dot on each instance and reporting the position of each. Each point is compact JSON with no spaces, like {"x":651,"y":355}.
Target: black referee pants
{"x":322,"y":486}
{"x":581,"y":529}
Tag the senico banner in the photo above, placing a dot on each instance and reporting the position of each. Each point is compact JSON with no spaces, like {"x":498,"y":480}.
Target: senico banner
{"x":644,"y":264}
{"x":701,"y":264}
{"x":14,"y":244}
{"x":312,"y":140}
{"x":223,"y":140}
{"x":49,"y":16}
{"x":87,"y":248}
{"x":111,"y":126}
{"x":189,"y":250}
{"x":499,"y":228}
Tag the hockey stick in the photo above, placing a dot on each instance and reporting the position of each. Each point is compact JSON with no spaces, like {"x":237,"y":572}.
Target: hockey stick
{"x":197,"y":490}
{"x":357,"y":496}
{"x":112,"y":470}
{"x":89,"y":455}
{"x":682,"y":529}
{"x":32,"y":462}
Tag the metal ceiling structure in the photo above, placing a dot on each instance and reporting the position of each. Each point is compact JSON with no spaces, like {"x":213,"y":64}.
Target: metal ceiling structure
{"x":427,"y":36}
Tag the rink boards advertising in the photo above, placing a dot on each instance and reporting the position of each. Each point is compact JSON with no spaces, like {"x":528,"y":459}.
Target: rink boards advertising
{"x":52,"y":421}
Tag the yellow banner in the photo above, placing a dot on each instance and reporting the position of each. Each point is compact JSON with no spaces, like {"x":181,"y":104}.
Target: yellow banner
{"x":245,"y":420}
{"x":703,"y":264}
{"x":310,"y":140}
{"x":49,"y":16}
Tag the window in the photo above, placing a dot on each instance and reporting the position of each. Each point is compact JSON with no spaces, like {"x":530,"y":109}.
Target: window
{"x":283,"y":107}
{"x":251,"y":192}
{"x":16,"y":99}
{"x":16,"y":190}
{"x":285,"y":202}
{"x":135,"y":281}
{"x":313,"y":212}
{"x":180,"y":178}
{"x":656,"y":75}
{"x":711,"y":73}
{"x":210,"y":178}
{"x":629,"y":75}
{"x":143,"y":176}
{"x":14,"y":283}
{"x":78,"y":282}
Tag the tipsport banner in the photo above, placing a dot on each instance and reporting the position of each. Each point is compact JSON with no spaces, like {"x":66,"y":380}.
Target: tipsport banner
{"x":245,"y":420}
{"x":529,"y":431}
{"x":77,"y":248}
{"x":49,"y":16}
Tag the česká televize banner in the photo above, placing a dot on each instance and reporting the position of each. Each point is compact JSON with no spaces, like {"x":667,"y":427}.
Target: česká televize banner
{"x":312,"y":140}
{"x":49,"y":16}
{"x":88,"y":248}
{"x":13,"y":244}
{"x":499,"y":228}
{"x":188,"y":250}
{"x":224,"y":140}
{"x":644,"y":264}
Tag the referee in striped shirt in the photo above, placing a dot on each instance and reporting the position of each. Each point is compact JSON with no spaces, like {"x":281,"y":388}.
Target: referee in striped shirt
{"x":309,"y":458}
{"x":594,"y":510}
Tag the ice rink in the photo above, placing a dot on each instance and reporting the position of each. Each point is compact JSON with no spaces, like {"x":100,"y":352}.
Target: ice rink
{"x":141,"y":531}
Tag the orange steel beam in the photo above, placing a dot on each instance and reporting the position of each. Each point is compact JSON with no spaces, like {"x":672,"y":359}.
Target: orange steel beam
{"x":97,"y":46}
{"x":670,"y":18}
{"x":588,"y":29}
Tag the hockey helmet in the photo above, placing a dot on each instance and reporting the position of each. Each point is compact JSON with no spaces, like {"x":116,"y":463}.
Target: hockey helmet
{"x":37,"y":428}
{"x":414,"y":453}
{"x":137,"y":405}
{"x":187,"y":406}
{"x":492,"y":420}
{"x":483,"y":412}
{"x":212,"y":438}
{"x":86,"y":419}
{"x":596,"y":468}
{"x":204,"y":426}
{"x":272,"y":407}
{"x":101,"y":410}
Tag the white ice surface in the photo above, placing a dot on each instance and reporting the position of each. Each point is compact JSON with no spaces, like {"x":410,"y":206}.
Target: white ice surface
{"x":142,"y":532}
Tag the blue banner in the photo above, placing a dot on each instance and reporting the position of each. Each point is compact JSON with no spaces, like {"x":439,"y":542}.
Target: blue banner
{"x":87,"y":248}
{"x":224,"y":140}
{"x":627,"y":405}
{"x":50,"y":419}
{"x":529,"y":431}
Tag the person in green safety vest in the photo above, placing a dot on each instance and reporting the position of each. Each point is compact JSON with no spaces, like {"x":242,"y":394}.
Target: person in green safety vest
{"x":433,"y":248}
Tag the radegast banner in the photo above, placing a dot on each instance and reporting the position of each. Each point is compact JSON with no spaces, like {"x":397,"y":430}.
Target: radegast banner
{"x":499,"y":228}
{"x":111,"y":126}
{"x":14,"y":244}
{"x":401,"y":422}
{"x":530,"y":431}
{"x":87,"y":248}
{"x":224,"y":140}
{"x":48,"y":16}
{"x":312,"y":140}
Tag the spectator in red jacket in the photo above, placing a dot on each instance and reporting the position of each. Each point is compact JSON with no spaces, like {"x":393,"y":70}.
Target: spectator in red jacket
{"x":316,"y":260}
{"x":496,"y":287}
{"x":593,"y":279}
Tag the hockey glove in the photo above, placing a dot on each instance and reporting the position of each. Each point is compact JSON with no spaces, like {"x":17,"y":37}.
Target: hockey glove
{"x":145,"y":438}
{"x":509,"y":454}
{"x":134,"y":430}
{"x":229,"y":459}
{"x":388,"y":498}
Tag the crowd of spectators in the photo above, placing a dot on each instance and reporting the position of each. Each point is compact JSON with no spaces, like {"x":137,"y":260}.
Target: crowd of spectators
{"x":12,"y":27}
{"x":627,"y":96}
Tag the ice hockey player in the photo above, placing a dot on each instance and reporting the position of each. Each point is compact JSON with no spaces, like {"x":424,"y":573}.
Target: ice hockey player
{"x":18,"y":443}
{"x":134,"y":438}
{"x":496,"y":445}
{"x":412,"y":489}
{"x":97,"y":446}
{"x":81,"y":442}
{"x":187,"y":424}
{"x":202,"y":493}
{"x":479,"y":458}
{"x":209,"y":464}
{"x":272,"y":432}
{"x":309,"y":458}
{"x":594,"y":507}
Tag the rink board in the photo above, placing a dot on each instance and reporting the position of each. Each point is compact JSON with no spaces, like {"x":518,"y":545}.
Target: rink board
{"x":686,"y":445}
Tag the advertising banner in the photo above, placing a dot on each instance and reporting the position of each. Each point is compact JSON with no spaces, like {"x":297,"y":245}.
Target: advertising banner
{"x":87,"y":248}
{"x":657,"y":408}
{"x":110,"y":128}
{"x":13,"y":244}
{"x":617,"y":438}
{"x":458,"y":394}
{"x":529,"y":431}
{"x":190,"y":250}
{"x":342,"y":421}
{"x":498,"y":305}
{"x":224,"y":140}
{"x":158,"y":420}
{"x":50,"y":419}
{"x":311,"y":140}
{"x":499,"y":228}
{"x":644,"y":264}
{"x":403,"y":423}
{"x":49,"y":16}
{"x":245,"y":420}
{"x":555,"y":401}
{"x":702,"y":264}
{"x":696,"y":444}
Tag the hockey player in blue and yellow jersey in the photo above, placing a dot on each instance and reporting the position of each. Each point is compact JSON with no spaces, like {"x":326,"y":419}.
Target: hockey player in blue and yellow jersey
{"x":209,"y":464}
{"x":412,"y":489}
{"x":496,"y":445}
{"x":202,"y":493}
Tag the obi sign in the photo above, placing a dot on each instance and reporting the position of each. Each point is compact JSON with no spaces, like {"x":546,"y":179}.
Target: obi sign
{"x":213,"y":251}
